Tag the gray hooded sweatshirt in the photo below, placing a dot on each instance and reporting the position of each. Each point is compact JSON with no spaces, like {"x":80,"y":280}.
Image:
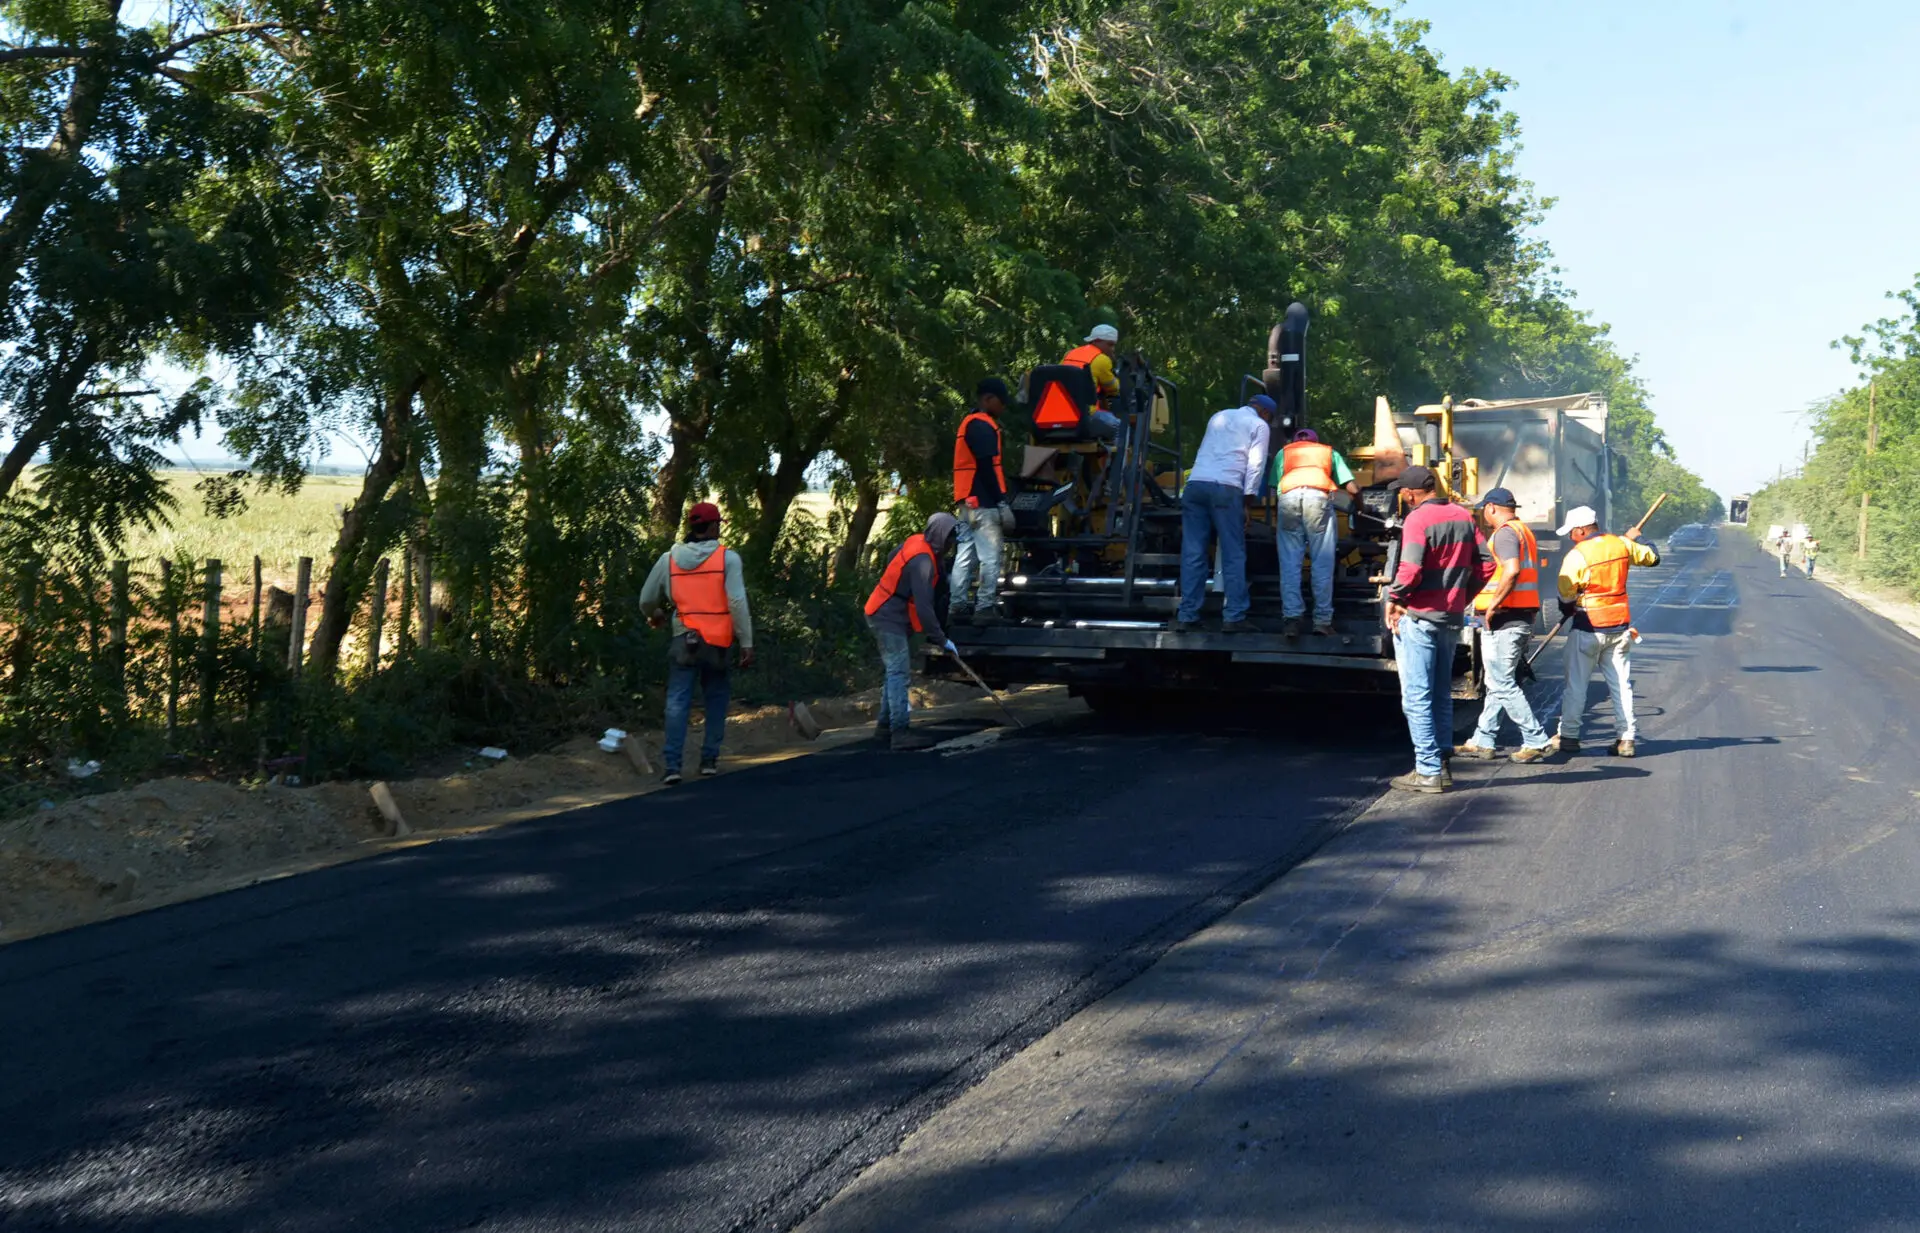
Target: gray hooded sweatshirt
{"x":656,"y":596}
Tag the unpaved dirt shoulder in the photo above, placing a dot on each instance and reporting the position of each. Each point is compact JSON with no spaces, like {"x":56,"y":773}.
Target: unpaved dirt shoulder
{"x":169,"y":840}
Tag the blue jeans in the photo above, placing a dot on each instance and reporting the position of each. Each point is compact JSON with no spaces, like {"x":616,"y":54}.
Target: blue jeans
{"x":1307,"y":530}
{"x":717,"y":686}
{"x":1505,"y":649}
{"x":1210,"y":511}
{"x":1110,"y":427}
{"x":894,"y":701}
{"x":979,"y":541}
{"x":1424,"y":652}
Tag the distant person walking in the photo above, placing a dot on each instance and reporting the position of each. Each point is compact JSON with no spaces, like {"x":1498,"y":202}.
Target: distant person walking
{"x":1809,"y":551}
{"x":1509,"y":606}
{"x":703,"y":585}
{"x":1443,"y":564}
{"x":1593,"y":592}
{"x":1783,"y":547}
{"x":1307,"y":474}
{"x":1226,"y":477}
{"x":901,"y":605}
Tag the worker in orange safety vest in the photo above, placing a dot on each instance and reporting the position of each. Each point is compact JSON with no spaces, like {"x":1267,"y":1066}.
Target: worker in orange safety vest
{"x":901,"y":605}
{"x":1593,"y":596}
{"x":1306,"y":473}
{"x":1505,"y":612}
{"x":1096,"y":356}
{"x":980,"y":508}
{"x":701,"y":581}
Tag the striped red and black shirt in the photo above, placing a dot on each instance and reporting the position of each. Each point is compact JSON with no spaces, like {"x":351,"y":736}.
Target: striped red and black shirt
{"x":1443,"y":562}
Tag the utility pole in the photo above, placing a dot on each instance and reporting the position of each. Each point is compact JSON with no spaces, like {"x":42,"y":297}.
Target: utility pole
{"x":1873,"y":435}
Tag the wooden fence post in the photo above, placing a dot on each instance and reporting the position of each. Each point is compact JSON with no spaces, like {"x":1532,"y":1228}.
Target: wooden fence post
{"x":118,"y":610}
{"x":377,"y":619}
{"x":170,"y":604}
{"x":297,"y":640}
{"x":210,"y":653}
{"x":253,"y":626}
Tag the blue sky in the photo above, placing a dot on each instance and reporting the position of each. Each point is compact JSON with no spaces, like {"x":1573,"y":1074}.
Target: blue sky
{"x":1738,"y":185}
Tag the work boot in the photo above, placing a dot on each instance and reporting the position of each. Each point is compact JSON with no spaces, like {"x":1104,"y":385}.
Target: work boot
{"x":1323,"y":629}
{"x":1291,"y":627}
{"x":883,"y":733}
{"x":906,"y":740}
{"x":959,"y":618}
{"x":709,"y":767}
{"x":670,"y":779}
{"x":1179,"y":626}
{"x":1446,"y":774}
{"x":1479,"y":753}
{"x":1563,"y":745}
{"x":986,"y":618}
{"x":1414,"y":781}
{"x":1238,"y":627}
{"x":1529,"y":755}
{"x":1623,"y":749}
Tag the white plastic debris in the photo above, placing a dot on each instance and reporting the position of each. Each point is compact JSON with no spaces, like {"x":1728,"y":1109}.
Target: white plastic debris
{"x":610,"y":743}
{"x":493,"y":753}
{"x":76,"y":769}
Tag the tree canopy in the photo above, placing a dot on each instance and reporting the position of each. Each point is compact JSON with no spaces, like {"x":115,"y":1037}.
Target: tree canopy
{"x":562,"y":265}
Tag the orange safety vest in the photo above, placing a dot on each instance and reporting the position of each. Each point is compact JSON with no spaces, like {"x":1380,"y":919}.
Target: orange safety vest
{"x":700,"y":597}
{"x":965,"y":465}
{"x":1604,"y":599}
{"x":1526,"y":584}
{"x":915,"y":546}
{"x":1307,"y":464}
{"x":1083,"y":357}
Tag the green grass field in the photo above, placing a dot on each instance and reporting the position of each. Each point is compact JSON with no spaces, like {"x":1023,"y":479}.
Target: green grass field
{"x":278,"y":529}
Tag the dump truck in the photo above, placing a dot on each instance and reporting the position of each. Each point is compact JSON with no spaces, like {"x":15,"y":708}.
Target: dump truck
{"x":1091,"y":574}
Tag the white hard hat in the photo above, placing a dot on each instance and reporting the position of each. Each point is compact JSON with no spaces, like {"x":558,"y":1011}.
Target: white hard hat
{"x":1103,"y":333}
{"x":1580,"y":516}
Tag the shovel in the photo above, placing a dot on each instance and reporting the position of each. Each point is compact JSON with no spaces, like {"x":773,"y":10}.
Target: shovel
{"x":968,"y":669}
{"x":1526,"y":665}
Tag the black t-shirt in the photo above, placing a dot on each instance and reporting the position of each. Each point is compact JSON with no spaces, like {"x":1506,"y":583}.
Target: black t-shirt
{"x":983,"y":439}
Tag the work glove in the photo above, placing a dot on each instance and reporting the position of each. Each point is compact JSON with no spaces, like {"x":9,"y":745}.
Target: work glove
{"x":1567,"y":609}
{"x":973,"y":502}
{"x":952,"y":649}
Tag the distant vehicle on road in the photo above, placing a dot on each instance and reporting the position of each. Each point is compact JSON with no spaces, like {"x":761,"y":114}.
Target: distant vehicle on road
{"x":1737,"y":509}
{"x":1694,"y":537}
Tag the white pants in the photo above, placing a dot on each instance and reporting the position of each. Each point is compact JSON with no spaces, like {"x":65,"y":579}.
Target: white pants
{"x":1610,"y":652}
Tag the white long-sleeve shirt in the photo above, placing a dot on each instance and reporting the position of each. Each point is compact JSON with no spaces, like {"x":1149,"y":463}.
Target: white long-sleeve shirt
{"x":1234,"y":451}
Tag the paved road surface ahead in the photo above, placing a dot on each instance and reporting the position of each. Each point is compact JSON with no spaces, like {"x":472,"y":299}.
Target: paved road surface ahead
{"x":704,"y":1010}
{"x":1674,"y":994}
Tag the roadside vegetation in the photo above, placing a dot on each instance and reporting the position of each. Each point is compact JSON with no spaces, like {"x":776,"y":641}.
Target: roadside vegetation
{"x":563,"y":267}
{"x":1867,"y":445}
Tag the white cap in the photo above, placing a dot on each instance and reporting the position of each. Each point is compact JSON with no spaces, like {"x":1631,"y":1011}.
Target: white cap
{"x":1580,"y":516}
{"x":1103,"y":333}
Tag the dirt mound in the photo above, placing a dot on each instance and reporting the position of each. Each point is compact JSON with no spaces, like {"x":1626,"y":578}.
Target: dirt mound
{"x":172,"y":839}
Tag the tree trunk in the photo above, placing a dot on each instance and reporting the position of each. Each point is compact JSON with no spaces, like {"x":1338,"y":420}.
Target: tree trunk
{"x":789,"y":479}
{"x":361,"y":541}
{"x":55,"y":410}
{"x":48,"y":167}
{"x":692,"y":420}
{"x":866,"y":511}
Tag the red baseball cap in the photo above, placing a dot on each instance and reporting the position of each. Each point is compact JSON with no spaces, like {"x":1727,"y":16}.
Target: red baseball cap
{"x":706,"y":511}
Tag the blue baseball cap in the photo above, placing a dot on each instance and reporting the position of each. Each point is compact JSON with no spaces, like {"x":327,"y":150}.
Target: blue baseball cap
{"x":1502,"y":497}
{"x":1261,"y":402}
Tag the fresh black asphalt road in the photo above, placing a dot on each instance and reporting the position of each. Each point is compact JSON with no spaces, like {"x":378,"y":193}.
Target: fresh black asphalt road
{"x":700,"y":1010}
{"x":1678,"y":993}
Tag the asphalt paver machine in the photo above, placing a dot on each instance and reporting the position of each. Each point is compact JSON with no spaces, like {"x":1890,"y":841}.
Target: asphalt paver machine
{"x":1092,"y":571}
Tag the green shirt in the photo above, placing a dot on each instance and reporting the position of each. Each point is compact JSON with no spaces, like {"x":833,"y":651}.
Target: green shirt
{"x":1342,"y":473}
